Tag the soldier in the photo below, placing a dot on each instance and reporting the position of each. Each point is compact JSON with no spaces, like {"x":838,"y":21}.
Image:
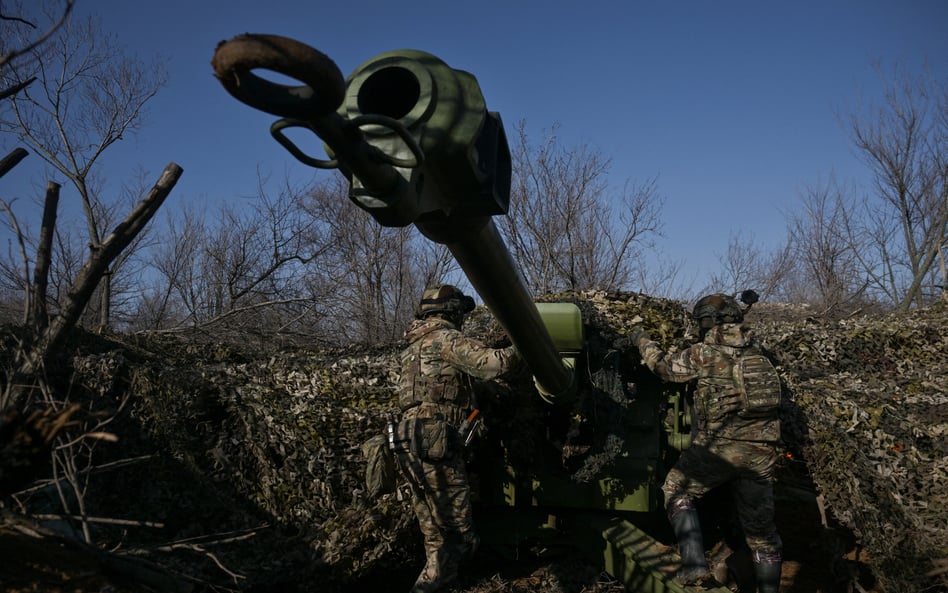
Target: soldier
{"x":735,"y":411}
{"x":435,"y":389}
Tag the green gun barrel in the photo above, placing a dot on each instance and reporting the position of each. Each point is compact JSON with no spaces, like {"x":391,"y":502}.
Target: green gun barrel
{"x":418,"y":145}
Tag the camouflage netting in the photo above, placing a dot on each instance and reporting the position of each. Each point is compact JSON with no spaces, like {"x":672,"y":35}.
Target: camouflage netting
{"x":285,"y":433}
{"x":276,"y":442}
{"x":872,"y":423}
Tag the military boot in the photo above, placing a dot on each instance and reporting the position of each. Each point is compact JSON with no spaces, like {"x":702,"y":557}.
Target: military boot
{"x":768,"y":576}
{"x":441,"y":568}
{"x":687,"y":528}
{"x":471,"y":544}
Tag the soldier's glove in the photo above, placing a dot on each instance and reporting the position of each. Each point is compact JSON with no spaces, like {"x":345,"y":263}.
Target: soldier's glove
{"x":518,"y":368}
{"x":638,"y":336}
{"x":516,"y":360}
{"x":638,"y":332}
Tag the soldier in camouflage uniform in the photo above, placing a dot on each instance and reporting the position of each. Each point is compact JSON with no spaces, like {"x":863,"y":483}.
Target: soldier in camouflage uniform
{"x":732,"y":444}
{"x":435,"y":389}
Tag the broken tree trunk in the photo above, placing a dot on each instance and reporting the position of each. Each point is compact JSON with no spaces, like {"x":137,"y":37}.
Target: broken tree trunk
{"x":48,"y":341}
{"x":38,"y":318}
{"x":12,"y":160}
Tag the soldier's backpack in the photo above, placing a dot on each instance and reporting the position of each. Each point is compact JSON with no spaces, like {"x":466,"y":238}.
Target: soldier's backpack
{"x":380,"y":469}
{"x":758,"y":384}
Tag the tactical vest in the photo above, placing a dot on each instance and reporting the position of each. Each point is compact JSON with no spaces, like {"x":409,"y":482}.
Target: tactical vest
{"x":758,"y":383}
{"x":447,"y":385}
{"x":738,"y":397}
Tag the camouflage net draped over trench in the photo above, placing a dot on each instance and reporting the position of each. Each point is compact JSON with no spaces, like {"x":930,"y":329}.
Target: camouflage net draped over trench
{"x":872,"y":423}
{"x":867,"y":410}
{"x":286,"y":434}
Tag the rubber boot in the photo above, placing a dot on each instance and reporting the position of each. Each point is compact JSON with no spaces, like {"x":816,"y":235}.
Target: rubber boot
{"x":687,"y":528}
{"x":441,"y":568}
{"x":768,"y":576}
{"x":472,"y":543}
{"x":429,"y":578}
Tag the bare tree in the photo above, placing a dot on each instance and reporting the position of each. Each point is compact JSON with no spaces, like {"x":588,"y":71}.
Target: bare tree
{"x":565,"y":230}
{"x":237,"y":271}
{"x":828,"y":270}
{"x":747,"y":264}
{"x":663,"y":278}
{"x":904,"y":220}
{"x":30,"y":41}
{"x":38,"y":417}
{"x":89,"y":96}
{"x":374,"y":274}
{"x":170,"y":301}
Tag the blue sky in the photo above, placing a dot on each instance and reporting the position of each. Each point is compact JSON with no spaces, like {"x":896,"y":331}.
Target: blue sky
{"x":731,"y":105}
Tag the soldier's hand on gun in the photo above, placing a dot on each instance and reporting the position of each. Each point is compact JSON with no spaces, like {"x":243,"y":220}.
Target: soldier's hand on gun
{"x":637,"y":332}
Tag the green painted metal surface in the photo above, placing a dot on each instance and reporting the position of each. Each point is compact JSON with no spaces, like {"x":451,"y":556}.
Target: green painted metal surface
{"x":564,"y":321}
{"x":632,"y":556}
{"x":630,"y":490}
{"x":466,"y":161}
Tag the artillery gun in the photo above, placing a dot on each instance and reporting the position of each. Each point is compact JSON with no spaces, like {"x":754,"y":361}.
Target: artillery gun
{"x":418,"y":146}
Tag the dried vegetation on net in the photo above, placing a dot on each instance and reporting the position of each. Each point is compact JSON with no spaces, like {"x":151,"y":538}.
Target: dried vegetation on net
{"x":869,"y":412}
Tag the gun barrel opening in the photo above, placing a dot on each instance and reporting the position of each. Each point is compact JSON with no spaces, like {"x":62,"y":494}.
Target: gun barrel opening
{"x":392,"y":92}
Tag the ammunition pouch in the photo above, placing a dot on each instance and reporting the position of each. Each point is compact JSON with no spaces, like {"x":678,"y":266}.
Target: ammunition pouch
{"x":752,"y":391}
{"x":433,"y":390}
{"x":380,"y":466}
{"x":428,"y":439}
{"x":759,"y":385}
{"x":722,"y":404}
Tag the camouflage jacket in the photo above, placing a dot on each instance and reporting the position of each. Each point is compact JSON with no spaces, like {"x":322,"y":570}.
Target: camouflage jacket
{"x":440,"y":362}
{"x":711,"y":364}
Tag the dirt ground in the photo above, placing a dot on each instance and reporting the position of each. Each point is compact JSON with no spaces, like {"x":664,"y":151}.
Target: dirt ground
{"x":39,"y":565}
{"x":31,"y":565}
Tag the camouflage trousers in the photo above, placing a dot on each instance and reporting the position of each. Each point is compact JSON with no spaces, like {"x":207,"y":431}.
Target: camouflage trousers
{"x":441,"y":500}
{"x":747,"y":468}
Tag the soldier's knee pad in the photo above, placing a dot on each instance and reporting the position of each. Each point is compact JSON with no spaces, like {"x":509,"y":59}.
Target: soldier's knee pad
{"x":677,"y":505}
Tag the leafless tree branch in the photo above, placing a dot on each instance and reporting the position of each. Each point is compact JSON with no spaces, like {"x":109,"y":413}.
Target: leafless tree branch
{"x":11,"y":55}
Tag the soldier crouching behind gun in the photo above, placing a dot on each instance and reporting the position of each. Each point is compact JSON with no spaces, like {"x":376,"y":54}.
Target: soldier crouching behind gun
{"x":736,"y":400}
{"x":435,"y":391}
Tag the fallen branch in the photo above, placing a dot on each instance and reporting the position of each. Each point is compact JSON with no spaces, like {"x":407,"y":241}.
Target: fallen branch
{"x":941,"y":567}
{"x":119,"y":464}
{"x":150,"y":576}
{"x":193,"y":546}
{"x":103,"y":520}
{"x":192,"y":543}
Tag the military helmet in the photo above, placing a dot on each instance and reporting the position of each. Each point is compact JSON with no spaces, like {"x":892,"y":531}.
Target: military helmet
{"x":716,"y":309}
{"x":445,"y":299}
